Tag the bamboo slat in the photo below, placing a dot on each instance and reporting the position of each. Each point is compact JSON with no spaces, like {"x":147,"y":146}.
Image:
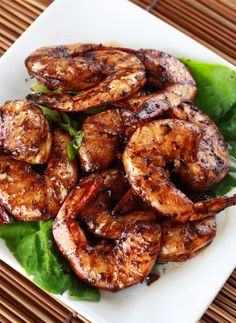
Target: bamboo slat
{"x":221,"y":9}
{"x":12,"y":5}
{"x":28,"y":298}
{"x":28,"y":6}
{"x":229,"y":3}
{"x":199,"y":21}
{"x":211,"y":22}
{"x":25,"y":15}
{"x":190,"y":18}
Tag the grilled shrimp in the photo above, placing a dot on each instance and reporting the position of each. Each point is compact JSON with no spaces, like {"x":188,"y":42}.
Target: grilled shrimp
{"x":124,"y":75}
{"x":172,"y":81}
{"x":61,"y":174}
{"x":102,"y":137}
{"x":67,"y":67}
{"x":181,"y":241}
{"x":211,"y":164}
{"x":25,"y":132}
{"x":164,"y":72}
{"x":105,"y":132}
{"x":124,"y":263}
{"x":31,"y":197}
{"x":146,"y":157}
{"x":98,"y":214}
{"x":22,"y":190}
{"x":163,"y":69}
{"x":64,"y":67}
{"x":146,"y":107}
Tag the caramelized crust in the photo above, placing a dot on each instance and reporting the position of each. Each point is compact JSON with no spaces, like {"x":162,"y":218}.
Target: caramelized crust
{"x":181,"y":241}
{"x":25,"y":132}
{"x":112,"y":266}
{"x":152,"y":148}
{"x":29,"y":196}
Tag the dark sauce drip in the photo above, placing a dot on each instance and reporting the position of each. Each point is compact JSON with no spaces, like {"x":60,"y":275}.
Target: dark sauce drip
{"x":151,"y":278}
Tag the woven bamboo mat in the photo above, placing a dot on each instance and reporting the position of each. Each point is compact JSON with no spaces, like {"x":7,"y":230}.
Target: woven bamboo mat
{"x":210,"y":22}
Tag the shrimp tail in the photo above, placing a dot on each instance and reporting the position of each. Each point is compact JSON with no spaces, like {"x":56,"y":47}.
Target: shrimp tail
{"x":212,"y":206}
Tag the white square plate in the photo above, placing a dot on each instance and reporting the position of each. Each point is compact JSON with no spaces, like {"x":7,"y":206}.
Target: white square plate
{"x":183,"y":293}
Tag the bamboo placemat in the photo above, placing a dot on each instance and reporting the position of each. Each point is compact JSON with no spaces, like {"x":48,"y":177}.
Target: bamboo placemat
{"x":212,"y":23}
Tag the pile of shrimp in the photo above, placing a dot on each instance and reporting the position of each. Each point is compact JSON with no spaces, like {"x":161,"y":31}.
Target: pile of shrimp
{"x":122,"y":204}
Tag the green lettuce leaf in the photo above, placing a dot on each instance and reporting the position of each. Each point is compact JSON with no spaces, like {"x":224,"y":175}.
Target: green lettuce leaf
{"x":227,"y":124}
{"x":217,"y":98}
{"x":82,"y":292}
{"x":64,"y":121}
{"x":38,"y":87}
{"x":228,"y":183}
{"x":216,"y":87}
{"x":33,"y":246}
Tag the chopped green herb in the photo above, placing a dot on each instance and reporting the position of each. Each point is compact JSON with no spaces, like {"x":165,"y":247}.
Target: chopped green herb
{"x":75,"y":144}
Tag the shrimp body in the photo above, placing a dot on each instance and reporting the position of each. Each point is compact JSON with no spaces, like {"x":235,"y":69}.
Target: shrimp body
{"x":114,"y":88}
{"x":22,"y":190}
{"x":146,"y":107}
{"x":102,"y":137}
{"x":121,"y":75}
{"x":117,"y":125}
{"x":171,"y":79}
{"x":98,"y":216}
{"x":63,"y":67}
{"x":211,"y":164}
{"x":163,"y":69}
{"x":29,"y":196}
{"x":67,"y":67}
{"x":174,"y":84}
{"x":61,"y":173}
{"x":108,"y":266}
{"x":181,"y":241}
{"x":25,"y":132}
{"x":151,"y":148}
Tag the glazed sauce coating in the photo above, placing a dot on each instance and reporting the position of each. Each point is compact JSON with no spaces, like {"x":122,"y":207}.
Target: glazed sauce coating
{"x":25,"y":132}
{"x":112,"y":266}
